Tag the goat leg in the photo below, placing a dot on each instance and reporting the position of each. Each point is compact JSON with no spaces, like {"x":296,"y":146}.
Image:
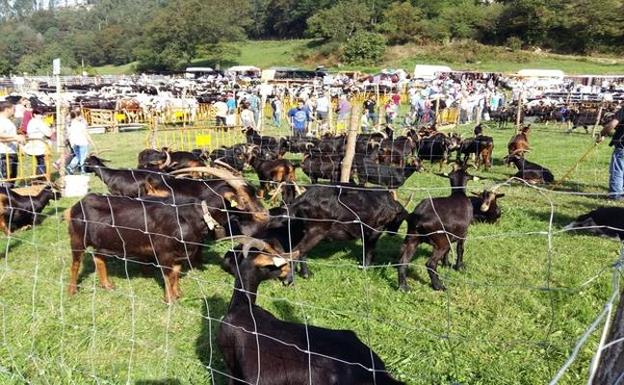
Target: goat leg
{"x":100,"y":268}
{"x":407,"y":252}
{"x":73,"y":272}
{"x":432,"y":266}
{"x":459,"y":264}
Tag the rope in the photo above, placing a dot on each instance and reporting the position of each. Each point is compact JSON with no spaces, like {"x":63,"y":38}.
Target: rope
{"x":568,"y":173}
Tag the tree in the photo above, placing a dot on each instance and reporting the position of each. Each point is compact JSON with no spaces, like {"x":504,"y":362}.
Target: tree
{"x":341,"y":21}
{"x":364,"y":48}
{"x":178,"y":30}
{"x":402,"y":22}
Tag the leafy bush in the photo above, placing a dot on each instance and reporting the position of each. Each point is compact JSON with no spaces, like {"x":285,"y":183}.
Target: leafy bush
{"x":514,"y":42}
{"x":364,"y":48}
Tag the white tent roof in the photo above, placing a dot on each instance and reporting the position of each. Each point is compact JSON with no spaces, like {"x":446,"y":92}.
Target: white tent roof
{"x":243,"y":69}
{"x":541,"y":73}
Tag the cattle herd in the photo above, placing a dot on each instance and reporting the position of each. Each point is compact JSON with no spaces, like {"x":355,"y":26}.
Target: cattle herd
{"x":163,"y":211}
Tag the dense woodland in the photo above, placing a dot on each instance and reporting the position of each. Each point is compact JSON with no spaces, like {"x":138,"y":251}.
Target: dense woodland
{"x":168,"y":34}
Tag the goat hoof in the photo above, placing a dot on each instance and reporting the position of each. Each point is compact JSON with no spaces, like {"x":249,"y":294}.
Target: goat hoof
{"x":404,"y":288}
{"x":72,"y":290}
{"x":305,"y":274}
{"x":459,"y":266}
{"x":107,"y":286}
{"x":439,"y":287}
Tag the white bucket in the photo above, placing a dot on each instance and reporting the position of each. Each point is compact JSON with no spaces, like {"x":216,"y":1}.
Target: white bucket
{"x":76,"y":185}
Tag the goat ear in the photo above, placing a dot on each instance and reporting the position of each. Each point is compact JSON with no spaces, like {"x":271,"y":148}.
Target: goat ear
{"x":500,"y":195}
{"x":475,"y":194}
{"x":445,"y":175}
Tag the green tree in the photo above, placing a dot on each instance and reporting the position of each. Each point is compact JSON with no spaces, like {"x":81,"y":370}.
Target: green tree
{"x":341,"y":21}
{"x":402,"y":23}
{"x":364,"y":48}
{"x":178,"y":30}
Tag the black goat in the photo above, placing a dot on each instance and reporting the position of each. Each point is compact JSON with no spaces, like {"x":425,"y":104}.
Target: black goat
{"x":124,"y":182}
{"x":291,"y":353}
{"x":322,"y":166}
{"x":343,"y":212}
{"x":529,"y":171}
{"x":235,"y":156}
{"x":279,"y":172}
{"x":437,"y":147}
{"x":266,"y":143}
{"x":167,"y":161}
{"x":439,"y":222}
{"x":481,"y":146}
{"x":368,"y":170}
{"x":18,"y":211}
{"x":604,"y":221}
{"x":485,"y":207}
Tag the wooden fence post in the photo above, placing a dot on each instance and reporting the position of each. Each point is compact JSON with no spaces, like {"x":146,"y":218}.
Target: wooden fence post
{"x":598,"y":118}
{"x":519,"y":112}
{"x":347,"y":162}
{"x":611,"y":366}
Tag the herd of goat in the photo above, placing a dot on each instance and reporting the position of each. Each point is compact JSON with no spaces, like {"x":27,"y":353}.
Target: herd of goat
{"x":164,"y":211}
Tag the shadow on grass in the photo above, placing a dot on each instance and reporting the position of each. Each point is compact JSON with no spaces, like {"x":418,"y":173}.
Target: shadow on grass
{"x":286,"y":311}
{"x":167,"y":381}
{"x":213,"y":309}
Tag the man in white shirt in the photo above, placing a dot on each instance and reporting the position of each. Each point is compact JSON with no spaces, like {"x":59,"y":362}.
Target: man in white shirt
{"x":8,"y":144}
{"x":221,"y":112}
{"x":322,"y":107}
{"x":38,"y":133}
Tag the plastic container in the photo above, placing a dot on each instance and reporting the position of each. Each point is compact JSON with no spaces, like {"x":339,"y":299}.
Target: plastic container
{"x":76,"y":185}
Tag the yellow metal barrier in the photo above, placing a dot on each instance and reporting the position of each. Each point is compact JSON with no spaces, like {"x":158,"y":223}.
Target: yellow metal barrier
{"x":448,"y":116}
{"x":23,"y":167}
{"x":193,"y":137}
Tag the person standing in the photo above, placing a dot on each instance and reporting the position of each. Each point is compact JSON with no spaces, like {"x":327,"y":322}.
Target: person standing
{"x":276,"y":105}
{"x":300,"y":117}
{"x":616,"y":166}
{"x":37,"y":134}
{"x":79,"y":140}
{"x":18,"y":115}
{"x":221,"y":111}
{"x":9,"y":140}
{"x":369,"y":106}
{"x":247,"y":116}
{"x":344,"y":108}
{"x":255,"y":106}
{"x":322,"y":107}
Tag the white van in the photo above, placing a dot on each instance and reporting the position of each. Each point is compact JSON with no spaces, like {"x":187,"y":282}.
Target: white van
{"x":429,"y":72}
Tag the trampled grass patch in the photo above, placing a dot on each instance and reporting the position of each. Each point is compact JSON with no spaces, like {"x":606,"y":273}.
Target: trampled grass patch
{"x":512,"y":317}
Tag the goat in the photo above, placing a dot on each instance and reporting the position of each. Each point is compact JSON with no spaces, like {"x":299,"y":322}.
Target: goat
{"x":437,"y":147}
{"x":148,"y":231}
{"x":485,"y":207}
{"x":235,"y":156}
{"x":18,"y":211}
{"x":342,"y":212}
{"x":603,"y":221}
{"x":124,"y":182}
{"x":322,"y":166}
{"x":519,"y":143}
{"x":278,"y":171}
{"x":529,"y":171}
{"x":368,"y":170}
{"x":291,"y":353}
{"x":167,"y":160}
{"x":439,"y":222}
{"x":266,"y":143}
{"x":481,"y":146}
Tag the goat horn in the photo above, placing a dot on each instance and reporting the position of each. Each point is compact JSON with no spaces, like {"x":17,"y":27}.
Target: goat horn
{"x":226,"y":166}
{"x":167,"y":161}
{"x":300,"y":190}
{"x":234,"y":181}
{"x":248,"y":243}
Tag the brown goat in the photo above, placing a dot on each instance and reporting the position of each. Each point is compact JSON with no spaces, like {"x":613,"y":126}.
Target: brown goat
{"x":519,"y":143}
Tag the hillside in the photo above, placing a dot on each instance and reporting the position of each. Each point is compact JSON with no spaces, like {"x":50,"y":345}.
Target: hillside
{"x":465,"y":56}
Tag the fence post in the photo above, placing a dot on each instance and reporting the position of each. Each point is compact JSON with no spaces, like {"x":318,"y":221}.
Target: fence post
{"x":519,"y":112}
{"x":347,"y":162}
{"x":611,"y":366}
{"x":598,"y":118}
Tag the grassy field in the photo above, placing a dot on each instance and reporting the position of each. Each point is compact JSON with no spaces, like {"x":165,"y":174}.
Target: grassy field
{"x":512,"y":317}
{"x":459,"y":56}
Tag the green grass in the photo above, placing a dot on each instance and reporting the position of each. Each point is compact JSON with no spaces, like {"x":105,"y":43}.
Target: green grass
{"x":459,"y":56}
{"x":496,"y":324}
